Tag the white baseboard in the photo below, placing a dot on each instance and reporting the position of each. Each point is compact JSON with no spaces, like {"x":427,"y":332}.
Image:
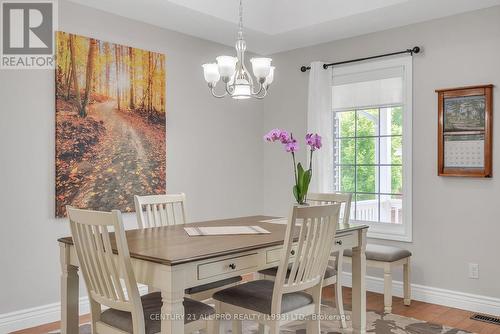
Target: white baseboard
{"x":41,"y":315}
{"x":428,"y":294}
{"x":476,"y":303}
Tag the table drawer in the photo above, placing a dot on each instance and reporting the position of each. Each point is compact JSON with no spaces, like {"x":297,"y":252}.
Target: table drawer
{"x":274,"y":255}
{"x":226,"y":266}
{"x":345,"y":241}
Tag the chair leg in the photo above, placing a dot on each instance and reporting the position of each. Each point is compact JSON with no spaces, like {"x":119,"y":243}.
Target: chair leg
{"x":407,"y":282}
{"x":237,"y":326}
{"x":313,"y":325}
{"x":95,"y":310}
{"x":216,"y":321}
{"x":274,"y":327}
{"x":339,"y":304}
{"x":387,"y":288}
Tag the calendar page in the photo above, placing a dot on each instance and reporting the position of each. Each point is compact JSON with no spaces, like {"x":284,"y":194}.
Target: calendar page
{"x":464,"y":151}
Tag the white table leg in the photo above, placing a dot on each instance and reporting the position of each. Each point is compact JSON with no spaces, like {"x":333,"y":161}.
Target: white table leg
{"x":172,"y":310}
{"x":358,"y":285}
{"x":69,"y":293}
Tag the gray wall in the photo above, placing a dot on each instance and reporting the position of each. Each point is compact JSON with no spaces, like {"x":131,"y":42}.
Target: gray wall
{"x":455,"y":220}
{"x":205,"y":137}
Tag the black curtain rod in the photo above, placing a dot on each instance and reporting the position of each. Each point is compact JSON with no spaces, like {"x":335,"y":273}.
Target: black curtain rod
{"x":415,"y":50}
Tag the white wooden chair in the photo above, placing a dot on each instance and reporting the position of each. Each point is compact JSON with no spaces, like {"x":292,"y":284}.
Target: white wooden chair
{"x":333,"y":272}
{"x":296,"y":292}
{"x":336,"y":261}
{"x":165,"y":210}
{"x":111,"y":282}
{"x":160,"y":210}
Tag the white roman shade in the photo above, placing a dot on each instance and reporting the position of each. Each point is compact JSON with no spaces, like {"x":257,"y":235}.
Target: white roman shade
{"x":379,"y":87}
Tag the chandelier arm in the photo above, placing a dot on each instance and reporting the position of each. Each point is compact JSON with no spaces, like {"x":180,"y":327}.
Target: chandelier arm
{"x":229,"y":91}
{"x":212,"y":90}
{"x":261,"y":96}
{"x":261,"y":87}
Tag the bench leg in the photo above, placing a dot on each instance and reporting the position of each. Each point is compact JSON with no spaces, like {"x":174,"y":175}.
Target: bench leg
{"x":387,"y":288}
{"x":406,"y":282}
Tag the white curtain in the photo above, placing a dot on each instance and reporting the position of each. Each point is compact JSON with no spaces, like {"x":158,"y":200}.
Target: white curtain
{"x":320,"y":118}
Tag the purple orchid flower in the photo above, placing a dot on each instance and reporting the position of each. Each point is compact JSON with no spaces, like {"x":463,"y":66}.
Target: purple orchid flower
{"x":273,"y":135}
{"x":292,"y":146}
{"x":314,"y":141}
{"x":284,"y":137}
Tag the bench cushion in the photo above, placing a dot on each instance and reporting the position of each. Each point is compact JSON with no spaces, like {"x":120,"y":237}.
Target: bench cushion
{"x":151,"y":303}
{"x":330,"y":271}
{"x":257,"y":296}
{"x":213,"y":285}
{"x":382,"y":253}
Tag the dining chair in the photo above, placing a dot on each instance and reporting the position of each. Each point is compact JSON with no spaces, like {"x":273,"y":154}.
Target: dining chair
{"x":333,"y":273}
{"x":166,"y":210}
{"x":110,"y":280}
{"x":296,"y":291}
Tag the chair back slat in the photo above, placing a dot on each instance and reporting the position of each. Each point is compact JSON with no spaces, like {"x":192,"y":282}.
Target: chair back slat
{"x":328,"y":198}
{"x":317,"y":226}
{"x":109,"y":277}
{"x":160,"y":210}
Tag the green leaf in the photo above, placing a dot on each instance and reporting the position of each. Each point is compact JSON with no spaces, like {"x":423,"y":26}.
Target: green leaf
{"x":296,"y":193}
{"x":307,"y":179}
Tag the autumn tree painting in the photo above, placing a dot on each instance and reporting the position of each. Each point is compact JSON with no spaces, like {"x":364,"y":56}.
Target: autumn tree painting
{"x":110,"y":124}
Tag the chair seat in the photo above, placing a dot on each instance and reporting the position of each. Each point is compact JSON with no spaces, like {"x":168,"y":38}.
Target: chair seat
{"x":330,"y":271}
{"x":151,"y":303}
{"x":213,"y":285}
{"x":257,"y":296}
{"x":382,"y":253}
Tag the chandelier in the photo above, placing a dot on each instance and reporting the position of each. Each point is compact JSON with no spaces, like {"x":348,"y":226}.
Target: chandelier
{"x":238,"y":82}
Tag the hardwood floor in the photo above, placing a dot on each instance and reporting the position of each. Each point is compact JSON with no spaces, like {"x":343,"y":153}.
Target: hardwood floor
{"x":423,"y":311}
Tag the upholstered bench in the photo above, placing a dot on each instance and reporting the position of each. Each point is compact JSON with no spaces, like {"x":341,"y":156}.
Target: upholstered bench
{"x":387,"y":257}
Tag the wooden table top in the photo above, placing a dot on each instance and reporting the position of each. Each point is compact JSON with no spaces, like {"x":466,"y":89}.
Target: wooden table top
{"x":171,"y":245}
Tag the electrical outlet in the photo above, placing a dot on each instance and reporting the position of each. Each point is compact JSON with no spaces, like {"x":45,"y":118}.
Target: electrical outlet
{"x":474,"y":270}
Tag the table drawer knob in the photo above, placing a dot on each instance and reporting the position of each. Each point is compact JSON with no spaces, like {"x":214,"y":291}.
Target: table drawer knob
{"x":292,"y":252}
{"x":338,"y":242}
{"x":232,"y":266}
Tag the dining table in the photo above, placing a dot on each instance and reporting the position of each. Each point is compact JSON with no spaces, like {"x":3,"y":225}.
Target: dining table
{"x":168,"y":260}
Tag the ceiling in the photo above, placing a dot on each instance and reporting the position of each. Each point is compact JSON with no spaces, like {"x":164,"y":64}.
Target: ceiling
{"x":278,"y":25}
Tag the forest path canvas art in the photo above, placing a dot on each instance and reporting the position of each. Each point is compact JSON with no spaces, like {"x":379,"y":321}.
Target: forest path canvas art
{"x":110,"y":129}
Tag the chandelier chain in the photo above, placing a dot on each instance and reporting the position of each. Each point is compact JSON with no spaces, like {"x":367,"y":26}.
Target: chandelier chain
{"x":240,"y":32}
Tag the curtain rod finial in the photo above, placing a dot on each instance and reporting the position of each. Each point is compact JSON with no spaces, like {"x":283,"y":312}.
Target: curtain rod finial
{"x":304,"y":68}
{"x":416,"y":49}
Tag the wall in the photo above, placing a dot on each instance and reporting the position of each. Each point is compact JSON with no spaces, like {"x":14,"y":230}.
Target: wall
{"x":455,"y":220}
{"x":205,"y":136}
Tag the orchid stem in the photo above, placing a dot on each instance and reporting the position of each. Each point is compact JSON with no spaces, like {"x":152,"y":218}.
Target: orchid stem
{"x":311,"y":160}
{"x":295,"y":169}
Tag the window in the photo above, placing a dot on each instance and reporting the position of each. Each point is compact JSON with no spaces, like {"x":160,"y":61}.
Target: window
{"x":372,"y":144}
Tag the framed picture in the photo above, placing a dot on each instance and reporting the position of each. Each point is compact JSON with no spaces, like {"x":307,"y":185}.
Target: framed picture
{"x":465,"y":131}
{"x":110,"y":124}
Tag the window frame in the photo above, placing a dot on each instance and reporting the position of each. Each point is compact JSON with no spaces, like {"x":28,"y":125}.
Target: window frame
{"x":378,"y":230}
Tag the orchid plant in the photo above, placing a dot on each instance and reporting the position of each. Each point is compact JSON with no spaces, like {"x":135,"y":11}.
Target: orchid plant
{"x":302,"y":176}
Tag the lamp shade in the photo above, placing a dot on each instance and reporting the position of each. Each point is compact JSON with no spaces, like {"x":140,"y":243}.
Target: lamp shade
{"x":241,"y":90}
{"x":227,"y":65}
{"x":261,"y":67}
{"x":270,"y":77}
{"x":211,"y":73}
